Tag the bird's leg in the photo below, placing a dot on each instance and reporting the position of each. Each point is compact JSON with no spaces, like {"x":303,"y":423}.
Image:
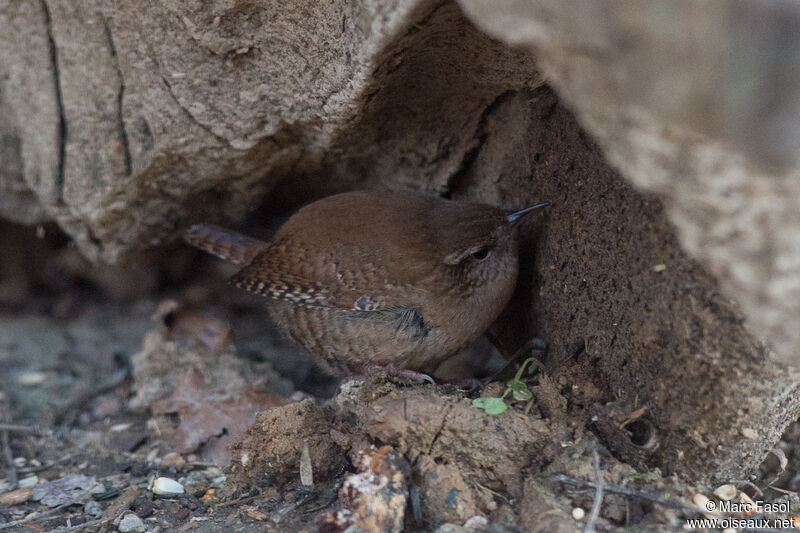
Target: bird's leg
{"x":468,"y":384}
{"x":534,"y":345}
{"x":472,"y":384}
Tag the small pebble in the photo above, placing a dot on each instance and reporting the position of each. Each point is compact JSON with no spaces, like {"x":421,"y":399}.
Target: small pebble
{"x":93,"y":508}
{"x":173,"y":460}
{"x":578,"y":513}
{"x":165,"y":486}
{"x":212,"y":472}
{"x":703,"y":502}
{"x":29,"y":481}
{"x":31,"y":378}
{"x":298,"y":396}
{"x":477,"y":522}
{"x":131,"y":523}
{"x":20,"y":462}
{"x":725,"y":492}
{"x":151,"y":457}
{"x":217,"y":481}
{"x":451,"y":528}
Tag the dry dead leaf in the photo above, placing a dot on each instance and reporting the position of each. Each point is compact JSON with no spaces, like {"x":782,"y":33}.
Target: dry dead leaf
{"x":16,"y":497}
{"x":254,"y":512}
{"x":74,"y":489}
{"x":209,"y":417}
{"x":179,"y":322}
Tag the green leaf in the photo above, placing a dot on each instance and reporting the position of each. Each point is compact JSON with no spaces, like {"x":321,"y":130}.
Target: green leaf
{"x":492,"y":406}
{"x":519,"y":391}
{"x":538,"y":364}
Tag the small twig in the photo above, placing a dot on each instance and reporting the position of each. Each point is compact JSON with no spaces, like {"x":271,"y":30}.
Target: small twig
{"x":4,"y":441}
{"x":492,"y":492}
{"x":642,"y":495}
{"x":782,"y":491}
{"x":43,"y":516}
{"x":243,"y":499}
{"x":80,"y":527}
{"x":36,"y":469}
{"x":14,"y":523}
{"x":201,"y":463}
{"x":598,"y":494}
{"x":302,"y":500}
{"x":17,"y":428}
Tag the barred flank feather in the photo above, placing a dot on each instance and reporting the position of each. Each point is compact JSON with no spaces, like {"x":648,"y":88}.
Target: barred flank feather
{"x":223,"y":243}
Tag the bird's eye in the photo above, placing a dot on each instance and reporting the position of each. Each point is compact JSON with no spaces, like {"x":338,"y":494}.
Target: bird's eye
{"x":481,"y":254}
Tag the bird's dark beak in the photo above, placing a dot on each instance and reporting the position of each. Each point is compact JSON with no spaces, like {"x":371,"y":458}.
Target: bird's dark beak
{"x":516,"y":215}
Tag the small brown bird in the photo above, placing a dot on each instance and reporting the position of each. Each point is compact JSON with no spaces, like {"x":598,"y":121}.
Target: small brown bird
{"x":368,"y":278}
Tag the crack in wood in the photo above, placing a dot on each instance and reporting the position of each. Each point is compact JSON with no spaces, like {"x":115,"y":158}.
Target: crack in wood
{"x":479,"y":138}
{"x":189,"y":114}
{"x":185,"y":111}
{"x":62,"y":121}
{"x":123,"y":135}
{"x":440,"y":430}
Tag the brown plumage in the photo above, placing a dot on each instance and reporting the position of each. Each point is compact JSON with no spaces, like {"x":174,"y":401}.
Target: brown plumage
{"x":223,"y":243}
{"x":379,"y":278}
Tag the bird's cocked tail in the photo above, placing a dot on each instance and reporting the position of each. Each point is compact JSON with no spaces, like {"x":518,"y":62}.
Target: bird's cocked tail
{"x":224,"y":243}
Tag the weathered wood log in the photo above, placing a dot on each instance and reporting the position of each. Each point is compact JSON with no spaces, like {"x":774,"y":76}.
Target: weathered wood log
{"x":126,"y":122}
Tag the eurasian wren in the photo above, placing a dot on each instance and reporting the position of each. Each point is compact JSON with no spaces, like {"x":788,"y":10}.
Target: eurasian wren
{"x":368,"y":278}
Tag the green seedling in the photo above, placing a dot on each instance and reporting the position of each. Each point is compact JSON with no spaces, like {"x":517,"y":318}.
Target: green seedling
{"x":492,"y":406}
{"x":518,"y":390}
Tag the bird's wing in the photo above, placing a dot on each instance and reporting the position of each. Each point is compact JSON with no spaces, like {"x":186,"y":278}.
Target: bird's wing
{"x":348,"y":281}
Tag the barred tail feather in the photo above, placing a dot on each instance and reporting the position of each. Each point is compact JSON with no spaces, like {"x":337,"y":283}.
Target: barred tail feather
{"x":223,"y":243}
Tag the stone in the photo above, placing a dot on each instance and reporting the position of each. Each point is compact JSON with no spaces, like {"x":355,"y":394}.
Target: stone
{"x":131,"y":523}
{"x":28,"y":482}
{"x":173,"y":460}
{"x":165,"y":486}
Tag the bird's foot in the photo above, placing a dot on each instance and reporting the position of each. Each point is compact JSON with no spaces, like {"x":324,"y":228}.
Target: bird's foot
{"x":533,"y":345}
{"x":467,"y":384}
{"x":394,"y":373}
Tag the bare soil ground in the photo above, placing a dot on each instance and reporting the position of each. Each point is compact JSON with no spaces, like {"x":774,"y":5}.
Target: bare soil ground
{"x":112,"y":380}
